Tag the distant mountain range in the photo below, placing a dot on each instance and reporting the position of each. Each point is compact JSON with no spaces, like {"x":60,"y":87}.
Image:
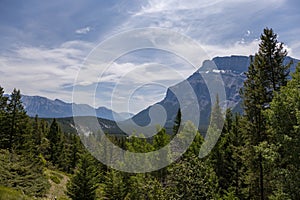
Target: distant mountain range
{"x":46,"y":108}
{"x":230,"y":68}
{"x":232,"y":71}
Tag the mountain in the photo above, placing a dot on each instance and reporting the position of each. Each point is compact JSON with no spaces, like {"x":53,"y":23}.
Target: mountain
{"x":46,"y":108}
{"x":232,"y":71}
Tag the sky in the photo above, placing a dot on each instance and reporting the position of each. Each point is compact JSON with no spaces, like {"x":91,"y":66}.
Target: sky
{"x":47,"y":45}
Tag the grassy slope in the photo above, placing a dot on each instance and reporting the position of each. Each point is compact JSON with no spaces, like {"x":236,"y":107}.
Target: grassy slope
{"x":11,"y":194}
{"x":58,"y":181}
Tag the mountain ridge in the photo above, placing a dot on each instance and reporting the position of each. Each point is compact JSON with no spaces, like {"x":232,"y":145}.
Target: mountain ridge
{"x":47,"y":108}
{"x":231,"y":69}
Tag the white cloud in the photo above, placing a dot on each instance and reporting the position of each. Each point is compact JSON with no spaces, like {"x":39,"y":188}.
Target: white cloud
{"x":83,"y":31}
{"x":216,"y":22}
{"x":124,"y":86}
{"x":221,"y":28}
{"x":42,"y":71}
{"x":238,"y":48}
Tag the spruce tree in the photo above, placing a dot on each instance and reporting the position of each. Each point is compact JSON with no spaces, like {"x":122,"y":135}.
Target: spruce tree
{"x":161,"y":139}
{"x":37,"y":132}
{"x":177,"y":122}
{"x":54,"y":137}
{"x":217,"y":119}
{"x":114,"y":185}
{"x":214,"y":130}
{"x":84,"y":183}
{"x":266,"y":74}
{"x":226,"y":156}
{"x":221,"y":156}
{"x":18,"y":121}
{"x":3,"y":119}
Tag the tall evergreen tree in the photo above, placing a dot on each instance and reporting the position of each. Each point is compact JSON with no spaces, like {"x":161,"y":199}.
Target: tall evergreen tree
{"x":114,"y":185}
{"x":84,"y":183}
{"x":214,"y":130}
{"x":177,"y":122}
{"x":54,"y":137}
{"x":217,"y":119}
{"x":37,"y":132}
{"x":221,"y":156}
{"x":18,"y":121}
{"x":3,"y":119}
{"x":266,"y":74}
{"x":226,"y":156}
{"x":161,"y":139}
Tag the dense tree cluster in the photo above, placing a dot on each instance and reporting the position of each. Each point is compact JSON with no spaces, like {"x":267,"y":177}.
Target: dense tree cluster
{"x":256,"y":157}
{"x":29,"y":145}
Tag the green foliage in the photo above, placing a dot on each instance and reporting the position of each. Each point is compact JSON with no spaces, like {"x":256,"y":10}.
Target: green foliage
{"x":217,"y":119}
{"x":226,"y":157}
{"x":114,"y":185}
{"x":265,"y":76}
{"x":55,"y":177}
{"x":23,"y":174}
{"x":54,"y":136}
{"x":192,"y":178}
{"x":84,"y":183}
{"x":11,"y":194}
{"x":15,"y":128}
{"x":257,"y":155}
{"x":177,"y":122}
{"x":143,"y":186}
{"x":283,"y":120}
{"x":3,"y":119}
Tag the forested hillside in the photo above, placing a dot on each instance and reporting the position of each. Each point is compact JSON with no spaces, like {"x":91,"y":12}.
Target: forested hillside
{"x":256,"y":157}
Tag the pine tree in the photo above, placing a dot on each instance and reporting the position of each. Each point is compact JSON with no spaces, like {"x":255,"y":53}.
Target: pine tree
{"x":18,"y":121}
{"x":266,"y":74}
{"x":54,"y":137}
{"x":138,"y":145}
{"x":161,"y":139}
{"x":217,"y":119}
{"x":84,"y":183}
{"x":214,"y":130}
{"x":75,"y":150}
{"x":226,"y":156}
{"x":221,"y":156}
{"x":22,"y":173}
{"x":114,"y":185}
{"x":37,"y":132}
{"x":177,"y":122}
{"x":3,"y":119}
{"x":3,"y":100}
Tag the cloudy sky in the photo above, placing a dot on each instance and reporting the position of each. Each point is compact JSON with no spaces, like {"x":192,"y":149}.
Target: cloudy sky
{"x":46,"y":44}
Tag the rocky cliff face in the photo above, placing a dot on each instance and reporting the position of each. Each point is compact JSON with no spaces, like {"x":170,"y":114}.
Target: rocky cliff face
{"x":232,"y":71}
{"x":230,"y":68}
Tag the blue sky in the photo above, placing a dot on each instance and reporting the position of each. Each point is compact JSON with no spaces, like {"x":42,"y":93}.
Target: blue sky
{"x":45,"y":43}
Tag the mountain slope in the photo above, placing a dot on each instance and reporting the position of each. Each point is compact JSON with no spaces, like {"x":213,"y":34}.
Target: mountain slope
{"x":232,"y":72}
{"x":46,"y":108}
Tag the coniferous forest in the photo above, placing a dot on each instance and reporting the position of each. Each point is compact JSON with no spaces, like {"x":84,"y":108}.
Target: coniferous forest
{"x":256,"y":157}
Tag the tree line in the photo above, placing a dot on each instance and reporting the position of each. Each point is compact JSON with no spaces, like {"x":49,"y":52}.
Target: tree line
{"x":256,"y":157}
